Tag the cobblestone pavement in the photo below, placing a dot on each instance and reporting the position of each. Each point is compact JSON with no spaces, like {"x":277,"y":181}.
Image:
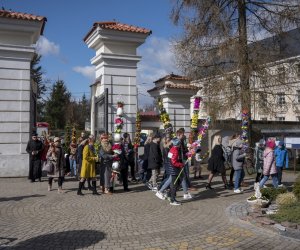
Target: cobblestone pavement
{"x":33,"y":218}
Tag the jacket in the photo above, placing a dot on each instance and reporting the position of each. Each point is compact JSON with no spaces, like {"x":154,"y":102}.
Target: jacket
{"x":238,"y":158}
{"x":259,"y":159}
{"x":175,"y":160}
{"x":282,"y":157}
{"x":58,"y":160}
{"x":154,"y":157}
{"x":216,"y":160}
{"x":89,"y":158}
{"x":269,"y":162}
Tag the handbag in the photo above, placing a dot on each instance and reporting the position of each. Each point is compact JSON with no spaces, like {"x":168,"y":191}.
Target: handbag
{"x":48,"y":167}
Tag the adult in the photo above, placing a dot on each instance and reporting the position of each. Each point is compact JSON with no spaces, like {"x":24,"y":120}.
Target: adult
{"x":269,"y":168}
{"x":232,"y":143}
{"x":107,"y":156}
{"x":88,"y":169}
{"x":79,"y":158}
{"x":81,"y":138}
{"x":72,"y":158}
{"x":216,"y":162}
{"x":259,"y":159}
{"x":129,"y":155}
{"x":154,"y":160}
{"x":282,"y":160}
{"x":238,"y":158}
{"x":34,"y":149}
{"x":148,"y":172}
{"x":56,"y":156}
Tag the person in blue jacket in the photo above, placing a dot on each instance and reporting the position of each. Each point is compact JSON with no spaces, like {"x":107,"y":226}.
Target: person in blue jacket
{"x":282,"y":160}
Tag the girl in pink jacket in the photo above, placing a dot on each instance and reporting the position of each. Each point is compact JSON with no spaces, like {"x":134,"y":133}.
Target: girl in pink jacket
{"x":269,"y":167}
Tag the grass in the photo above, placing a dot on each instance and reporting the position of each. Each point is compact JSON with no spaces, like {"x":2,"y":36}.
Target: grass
{"x":290,"y":213}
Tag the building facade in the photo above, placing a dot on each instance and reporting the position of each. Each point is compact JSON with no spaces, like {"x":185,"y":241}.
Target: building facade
{"x":19,"y":33}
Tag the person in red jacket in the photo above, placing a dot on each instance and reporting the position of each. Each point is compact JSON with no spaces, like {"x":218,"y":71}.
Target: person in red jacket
{"x":176,"y":166}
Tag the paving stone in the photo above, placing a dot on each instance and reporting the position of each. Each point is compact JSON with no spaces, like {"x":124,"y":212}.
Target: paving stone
{"x":33,"y":218}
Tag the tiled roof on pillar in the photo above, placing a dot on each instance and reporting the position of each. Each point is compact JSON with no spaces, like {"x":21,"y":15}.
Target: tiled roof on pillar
{"x":117,"y":26}
{"x":173,"y":77}
{"x":23,"y":16}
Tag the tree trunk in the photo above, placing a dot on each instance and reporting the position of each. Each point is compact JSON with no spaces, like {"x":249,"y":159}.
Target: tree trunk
{"x":245,"y":94}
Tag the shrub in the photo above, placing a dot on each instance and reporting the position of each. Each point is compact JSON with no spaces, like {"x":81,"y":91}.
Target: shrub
{"x":290,"y":213}
{"x":286,"y":199}
{"x":296,"y":188}
{"x":271,"y":193}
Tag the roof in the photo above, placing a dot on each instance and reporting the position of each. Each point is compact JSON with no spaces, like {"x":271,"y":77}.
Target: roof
{"x":117,"y":26}
{"x":172,"y":77}
{"x":149,"y":113}
{"x":23,"y":16}
{"x":175,"y":86}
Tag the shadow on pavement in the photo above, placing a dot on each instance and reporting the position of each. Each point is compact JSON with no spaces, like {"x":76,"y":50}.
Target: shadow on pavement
{"x":18,"y":198}
{"x":75,"y":239}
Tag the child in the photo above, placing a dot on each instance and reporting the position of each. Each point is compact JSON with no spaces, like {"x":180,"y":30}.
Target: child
{"x":238,"y":159}
{"x":269,"y":167}
{"x":176,"y":167}
{"x":282,"y":160}
{"x":197,"y":166}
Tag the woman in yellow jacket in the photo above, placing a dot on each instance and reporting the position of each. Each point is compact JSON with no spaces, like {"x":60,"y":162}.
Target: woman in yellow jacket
{"x":88,"y":170}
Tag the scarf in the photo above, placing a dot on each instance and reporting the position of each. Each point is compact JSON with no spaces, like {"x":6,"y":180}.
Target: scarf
{"x":106,"y":147}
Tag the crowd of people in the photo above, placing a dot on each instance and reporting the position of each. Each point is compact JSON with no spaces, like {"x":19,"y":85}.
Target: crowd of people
{"x":91,"y":159}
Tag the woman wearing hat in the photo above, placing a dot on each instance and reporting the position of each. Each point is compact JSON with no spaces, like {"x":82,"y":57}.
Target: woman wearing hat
{"x":56,"y":156}
{"x":88,"y":170}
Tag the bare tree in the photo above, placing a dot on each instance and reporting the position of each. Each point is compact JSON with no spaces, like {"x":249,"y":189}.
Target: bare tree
{"x":230,"y":45}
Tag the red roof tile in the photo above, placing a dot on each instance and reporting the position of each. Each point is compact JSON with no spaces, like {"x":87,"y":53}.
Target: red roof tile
{"x":172,"y":77}
{"x":117,"y":26}
{"x":175,"y":86}
{"x":149,"y":113}
{"x":23,"y":16}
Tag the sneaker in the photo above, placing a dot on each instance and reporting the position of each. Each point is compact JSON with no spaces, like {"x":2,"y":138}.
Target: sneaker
{"x":160,"y":195}
{"x":175,"y":203}
{"x":154,"y":189}
{"x":281,"y":185}
{"x":187,"y":196}
{"x":237,"y":191}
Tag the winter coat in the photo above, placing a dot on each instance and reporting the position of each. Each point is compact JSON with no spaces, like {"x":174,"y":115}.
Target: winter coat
{"x":216,"y":160}
{"x":175,"y":160}
{"x":35,"y":145}
{"x":282,"y":157}
{"x":146,"y":155}
{"x":154,"y":157}
{"x":269,"y":162}
{"x":238,"y":158}
{"x":106,"y":157}
{"x":58,"y":160}
{"x":259,"y":159}
{"x":129,"y":152}
{"x":89,"y":157}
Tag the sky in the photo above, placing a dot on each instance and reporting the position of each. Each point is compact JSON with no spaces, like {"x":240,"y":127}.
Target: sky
{"x":66,"y":57}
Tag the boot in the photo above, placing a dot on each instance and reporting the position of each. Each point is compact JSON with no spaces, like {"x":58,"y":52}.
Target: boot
{"x":103,"y":189}
{"x":79,"y":188}
{"x":89,"y":185}
{"x":94,"y":188}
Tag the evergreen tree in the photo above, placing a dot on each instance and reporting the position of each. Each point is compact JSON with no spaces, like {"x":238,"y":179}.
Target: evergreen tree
{"x":36,"y":74}
{"x":57,"y":105}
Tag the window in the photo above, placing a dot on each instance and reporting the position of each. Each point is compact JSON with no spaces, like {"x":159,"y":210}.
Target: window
{"x":262,"y":100}
{"x":281,"y":118}
{"x":281,"y":98}
{"x":281,"y":74}
{"x":298,"y":96}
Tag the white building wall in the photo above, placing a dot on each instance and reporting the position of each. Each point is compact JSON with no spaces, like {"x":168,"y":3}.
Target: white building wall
{"x":16,"y":50}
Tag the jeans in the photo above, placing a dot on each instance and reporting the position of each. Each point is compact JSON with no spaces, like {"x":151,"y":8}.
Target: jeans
{"x":279,"y":173}
{"x":266,"y":177}
{"x":72,"y":166}
{"x":173,"y":187}
{"x":169,"y":180}
{"x":239,"y":176}
{"x":187,"y":174}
